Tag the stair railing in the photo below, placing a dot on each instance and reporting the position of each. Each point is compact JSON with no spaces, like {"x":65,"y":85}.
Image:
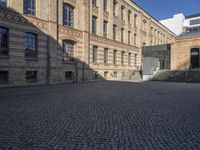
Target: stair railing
{"x":187,"y":72}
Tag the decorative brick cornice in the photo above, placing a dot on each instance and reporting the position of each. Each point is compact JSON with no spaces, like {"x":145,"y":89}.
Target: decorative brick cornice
{"x":106,"y":41}
{"x":187,"y":39}
{"x":14,"y":17}
{"x":71,"y":32}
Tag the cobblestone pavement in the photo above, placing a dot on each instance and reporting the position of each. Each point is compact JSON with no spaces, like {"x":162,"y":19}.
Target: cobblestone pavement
{"x":101,"y":116}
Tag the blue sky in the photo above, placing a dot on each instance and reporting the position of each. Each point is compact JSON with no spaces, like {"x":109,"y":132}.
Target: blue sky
{"x":163,"y":9}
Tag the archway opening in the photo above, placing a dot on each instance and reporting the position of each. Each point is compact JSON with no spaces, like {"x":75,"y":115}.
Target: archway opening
{"x":195,"y":58}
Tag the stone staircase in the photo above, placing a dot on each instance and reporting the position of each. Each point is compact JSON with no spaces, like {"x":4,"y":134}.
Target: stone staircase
{"x":193,"y":76}
{"x":170,"y":76}
{"x":133,"y":76}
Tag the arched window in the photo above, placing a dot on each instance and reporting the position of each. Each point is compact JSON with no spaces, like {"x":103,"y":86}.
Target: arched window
{"x":4,"y":41}
{"x":68,"y":51}
{"x":29,"y":7}
{"x":30,"y":44}
{"x":3,"y":3}
{"x":68,"y":15}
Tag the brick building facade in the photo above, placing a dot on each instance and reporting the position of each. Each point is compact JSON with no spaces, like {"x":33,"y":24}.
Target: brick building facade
{"x":56,"y":41}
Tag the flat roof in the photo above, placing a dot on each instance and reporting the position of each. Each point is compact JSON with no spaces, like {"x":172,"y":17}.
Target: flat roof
{"x":192,"y":16}
{"x":153,"y":17}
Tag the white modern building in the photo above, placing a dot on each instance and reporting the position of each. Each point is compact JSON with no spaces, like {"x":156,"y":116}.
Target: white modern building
{"x":180,"y":23}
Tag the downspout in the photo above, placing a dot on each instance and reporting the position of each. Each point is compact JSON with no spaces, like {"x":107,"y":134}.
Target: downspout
{"x":48,"y":49}
{"x":57,"y":21}
{"x":89,"y":13}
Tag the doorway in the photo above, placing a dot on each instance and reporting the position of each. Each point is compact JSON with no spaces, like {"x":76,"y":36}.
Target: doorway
{"x":195,"y":58}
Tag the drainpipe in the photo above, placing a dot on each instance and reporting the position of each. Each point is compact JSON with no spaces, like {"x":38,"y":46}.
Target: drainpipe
{"x":48,"y":67}
{"x":89,"y":13}
{"x":57,"y":20}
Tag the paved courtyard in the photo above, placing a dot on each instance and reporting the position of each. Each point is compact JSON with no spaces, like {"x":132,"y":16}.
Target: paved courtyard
{"x":101,"y":116}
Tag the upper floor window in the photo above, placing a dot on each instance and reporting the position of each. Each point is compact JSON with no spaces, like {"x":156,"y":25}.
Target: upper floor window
{"x":129,"y":37}
{"x":30,"y":44}
{"x":68,"y":51}
{"x":115,"y":57}
{"x":129,"y":59}
{"x":122,"y":35}
{"x":94,"y":2}
{"x":114,"y":32}
{"x":129,"y":16}
{"x":4,"y":41}
{"x":105,"y":56}
{"x":122,"y":58}
{"x":3,"y":3}
{"x":94,"y":24}
{"x":94,"y":59}
{"x":105,"y":5}
{"x":122,"y":13}
{"x":114,"y":8}
{"x":105,"y":26}
{"x":68,"y":15}
{"x":194,"y":22}
{"x":135,"y":20}
{"x":29,"y":7}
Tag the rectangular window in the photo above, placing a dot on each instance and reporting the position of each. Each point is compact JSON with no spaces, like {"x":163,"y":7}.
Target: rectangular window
{"x":129,"y":16}
{"x":68,"y":75}
{"x":68,"y":15}
{"x":105,"y":56}
{"x":94,"y":59}
{"x":122,"y":58}
{"x":94,"y":24}
{"x":94,"y":2}
{"x":31,"y":76}
{"x":68,"y":51}
{"x":122,"y":35}
{"x":115,"y":57}
{"x":4,"y":77}
{"x":122,"y":13}
{"x":114,"y":32}
{"x":29,"y":7}
{"x":135,"y":58}
{"x":30,"y":45}
{"x":114,"y":8}
{"x":135,"y":20}
{"x":105,"y":25}
{"x":129,"y":37}
{"x":4,"y":40}
{"x":3,"y":3}
{"x":194,"y":22}
{"x":115,"y":74}
{"x":135,"y":39}
{"x":105,"y":5}
{"x":129,"y":59}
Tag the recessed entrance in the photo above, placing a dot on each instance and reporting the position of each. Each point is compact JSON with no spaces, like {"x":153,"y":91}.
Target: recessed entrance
{"x":195,"y":58}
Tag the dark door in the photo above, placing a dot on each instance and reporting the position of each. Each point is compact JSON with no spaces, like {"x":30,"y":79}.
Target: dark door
{"x":195,"y":58}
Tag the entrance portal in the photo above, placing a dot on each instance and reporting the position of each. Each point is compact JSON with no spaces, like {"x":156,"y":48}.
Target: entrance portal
{"x":195,"y":58}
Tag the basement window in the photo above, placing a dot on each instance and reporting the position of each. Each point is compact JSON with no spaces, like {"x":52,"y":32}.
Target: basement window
{"x":3,"y":77}
{"x":31,"y":76}
{"x":68,"y":75}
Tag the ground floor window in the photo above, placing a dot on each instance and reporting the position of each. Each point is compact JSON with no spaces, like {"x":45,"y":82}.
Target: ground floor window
{"x":31,"y":76}
{"x":115,"y":74}
{"x":4,"y":77}
{"x":123,"y":74}
{"x":96,"y":76}
{"x":106,"y":74}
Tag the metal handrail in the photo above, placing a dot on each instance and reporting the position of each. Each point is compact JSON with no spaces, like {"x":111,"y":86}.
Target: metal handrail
{"x":187,"y":72}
